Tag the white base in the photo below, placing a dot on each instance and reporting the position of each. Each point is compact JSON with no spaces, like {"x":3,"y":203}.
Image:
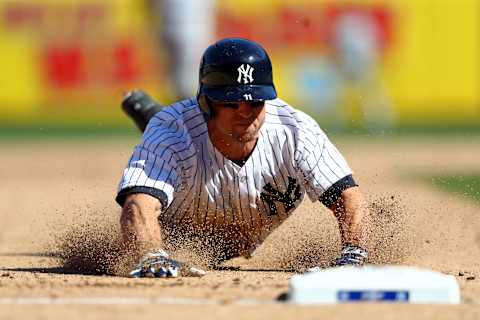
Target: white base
{"x":374,"y":284}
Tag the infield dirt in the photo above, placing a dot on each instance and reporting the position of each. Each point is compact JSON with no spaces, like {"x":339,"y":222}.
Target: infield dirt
{"x":59,"y":223}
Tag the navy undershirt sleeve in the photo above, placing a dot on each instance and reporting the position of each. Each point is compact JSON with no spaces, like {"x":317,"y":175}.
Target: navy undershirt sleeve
{"x":329,"y":197}
{"x":159,"y":194}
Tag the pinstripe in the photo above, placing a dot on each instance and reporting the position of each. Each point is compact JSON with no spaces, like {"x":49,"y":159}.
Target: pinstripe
{"x":160,"y":171}
{"x":289,"y":116}
{"x":334,"y":160}
{"x":229,"y":196}
{"x":190,"y":109}
{"x":149,"y":140}
{"x":263,"y":179}
{"x":212,"y":178}
{"x":163,"y":186}
{"x":167,"y":136}
{"x":249,"y":193}
{"x":316,"y":158}
{"x":149,"y":169}
{"x":220,"y":181}
{"x":202,"y":187}
{"x":322,"y":158}
{"x":139,"y":173}
{"x":167,"y":111}
{"x":197,"y":125}
{"x":242,"y":213}
{"x":252,"y":194}
{"x":205,"y":182}
{"x":279,"y":166}
{"x":254,"y":172}
{"x":308,"y":173}
{"x":316,"y":166}
{"x":195,"y":116}
{"x":200,"y":134}
{"x":288,"y":154}
{"x":272,"y":174}
{"x":194,"y":185}
{"x":279,"y":124}
{"x":277,"y":105}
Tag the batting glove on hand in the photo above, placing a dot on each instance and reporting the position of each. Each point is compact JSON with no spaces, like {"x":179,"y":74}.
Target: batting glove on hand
{"x":352,"y":255}
{"x":157,"y":264}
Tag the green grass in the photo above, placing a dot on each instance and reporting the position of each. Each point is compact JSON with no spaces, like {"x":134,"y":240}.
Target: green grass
{"x":405,"y":130}
{"x":92,"y":130}
{"x":466,"y":186}
{"x":55,"y":132}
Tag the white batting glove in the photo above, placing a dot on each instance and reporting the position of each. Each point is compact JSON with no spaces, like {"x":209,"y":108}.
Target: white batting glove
{"x":157,"y":264}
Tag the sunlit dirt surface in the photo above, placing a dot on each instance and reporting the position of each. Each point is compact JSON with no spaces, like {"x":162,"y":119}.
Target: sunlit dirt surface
{"x":60,"y":191}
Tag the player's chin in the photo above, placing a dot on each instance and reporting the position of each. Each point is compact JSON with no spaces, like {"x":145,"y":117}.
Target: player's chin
{"x":248,"y":136}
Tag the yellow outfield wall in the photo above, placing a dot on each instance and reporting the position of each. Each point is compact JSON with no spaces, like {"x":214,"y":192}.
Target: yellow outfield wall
{"x":434,"y":69}
{"x":70,"y":61}
{"x":429,"y":65}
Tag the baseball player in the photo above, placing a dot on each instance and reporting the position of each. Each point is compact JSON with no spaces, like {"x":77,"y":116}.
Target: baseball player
{"x":216,"y":174}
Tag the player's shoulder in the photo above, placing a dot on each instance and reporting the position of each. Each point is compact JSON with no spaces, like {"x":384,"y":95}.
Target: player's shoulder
{"x":170,"y":125}
{"x":283,"y":114}
{"x":175,"y":112}
{"x":174,"y":116}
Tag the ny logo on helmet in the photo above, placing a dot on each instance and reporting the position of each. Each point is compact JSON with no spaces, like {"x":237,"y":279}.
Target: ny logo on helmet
{"x":246,"y":73}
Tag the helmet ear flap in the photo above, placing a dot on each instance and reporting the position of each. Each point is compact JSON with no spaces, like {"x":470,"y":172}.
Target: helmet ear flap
{"x":204,"y":105}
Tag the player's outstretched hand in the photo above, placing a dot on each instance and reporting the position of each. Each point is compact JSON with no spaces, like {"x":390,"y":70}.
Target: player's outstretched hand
{"x":157,"y":264}
{"x":352,"y":255}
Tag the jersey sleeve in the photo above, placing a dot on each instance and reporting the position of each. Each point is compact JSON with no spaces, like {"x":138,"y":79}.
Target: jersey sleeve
{"x":152,"y":172}
{"x":320,"y":163}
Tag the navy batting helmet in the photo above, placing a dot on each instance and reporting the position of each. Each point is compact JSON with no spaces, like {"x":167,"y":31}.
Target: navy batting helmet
{"x":235,"y":69}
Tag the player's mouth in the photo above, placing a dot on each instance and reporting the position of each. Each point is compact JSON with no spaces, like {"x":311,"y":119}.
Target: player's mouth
{"x":245,"y":122}
{"x":245,"y":126}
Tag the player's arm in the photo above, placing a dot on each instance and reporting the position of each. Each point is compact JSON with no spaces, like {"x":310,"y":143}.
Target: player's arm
{"x":139,"y":223}
{"x":329,"y":179}
{"x":352,"y":213}
{"x":349,"y":206}
{"x":142,"y":235}
{"x":147,"y":187}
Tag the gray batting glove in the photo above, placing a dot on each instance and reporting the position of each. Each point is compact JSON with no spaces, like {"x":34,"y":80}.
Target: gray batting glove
{"x":157,"y":264}
{"x":352,"y":255}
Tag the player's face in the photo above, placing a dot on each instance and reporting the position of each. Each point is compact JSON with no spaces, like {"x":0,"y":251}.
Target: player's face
{"x":240,"y":120}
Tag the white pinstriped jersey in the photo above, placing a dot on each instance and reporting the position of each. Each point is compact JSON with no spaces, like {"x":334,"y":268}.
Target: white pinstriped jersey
{"x":201,"y":188}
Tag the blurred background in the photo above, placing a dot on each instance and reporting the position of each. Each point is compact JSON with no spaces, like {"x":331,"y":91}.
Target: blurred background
{"x":369,"y":66}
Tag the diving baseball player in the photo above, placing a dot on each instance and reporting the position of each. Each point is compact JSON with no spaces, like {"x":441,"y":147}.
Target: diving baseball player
{"x":216,"y":174}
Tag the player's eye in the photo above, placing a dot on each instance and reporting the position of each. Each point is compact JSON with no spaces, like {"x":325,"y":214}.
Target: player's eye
{"x":235,"y":105}
{"x":231,"y":105}
{"x":256,"y":104}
